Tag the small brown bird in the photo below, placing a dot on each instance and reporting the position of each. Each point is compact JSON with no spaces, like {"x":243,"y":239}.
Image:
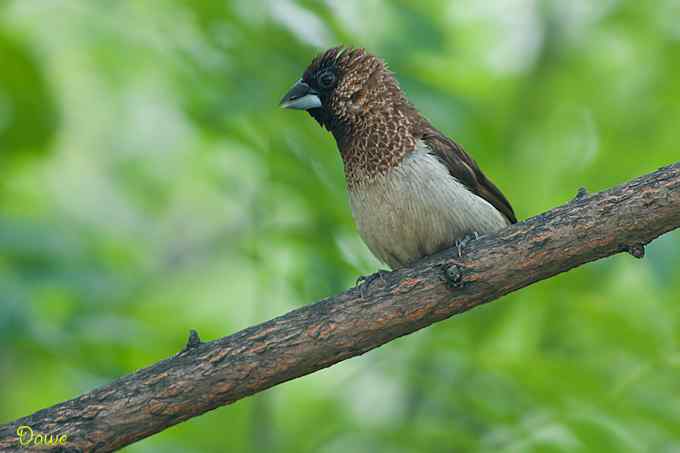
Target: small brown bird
{"x":413,"y":191}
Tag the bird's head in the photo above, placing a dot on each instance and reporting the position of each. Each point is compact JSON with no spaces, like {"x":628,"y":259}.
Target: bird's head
{"x":342,"y":87}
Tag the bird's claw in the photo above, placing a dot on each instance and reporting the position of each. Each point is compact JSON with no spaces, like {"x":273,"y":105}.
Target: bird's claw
{"x":462,"y":243}
{"x":365,"y":281}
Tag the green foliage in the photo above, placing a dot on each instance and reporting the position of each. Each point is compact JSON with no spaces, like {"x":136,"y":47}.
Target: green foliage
{"x":27,"y":111}
{"x":166,"y":191}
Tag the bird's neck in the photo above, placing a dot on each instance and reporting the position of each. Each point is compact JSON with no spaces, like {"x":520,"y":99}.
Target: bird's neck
{"x":373,"y":144}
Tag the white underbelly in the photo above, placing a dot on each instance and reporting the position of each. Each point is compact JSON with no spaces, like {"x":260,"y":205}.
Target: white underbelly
{"x":418,"y":209}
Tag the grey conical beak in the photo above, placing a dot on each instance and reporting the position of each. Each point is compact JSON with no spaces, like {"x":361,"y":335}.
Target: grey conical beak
{"x":301,"y":97}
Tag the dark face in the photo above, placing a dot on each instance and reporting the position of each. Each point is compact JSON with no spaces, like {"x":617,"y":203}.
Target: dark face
{"x":316,"y":90}
{"x":313,"y":91}
{"x":340,"y":86}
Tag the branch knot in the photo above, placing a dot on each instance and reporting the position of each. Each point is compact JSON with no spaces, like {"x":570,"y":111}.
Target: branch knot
{"x":193,"y":341}
{"x":636,"y":250}
{"x":453,"y":275}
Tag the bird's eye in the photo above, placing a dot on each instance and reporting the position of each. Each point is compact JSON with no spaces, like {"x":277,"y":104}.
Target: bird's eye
{"x":326,"y":79}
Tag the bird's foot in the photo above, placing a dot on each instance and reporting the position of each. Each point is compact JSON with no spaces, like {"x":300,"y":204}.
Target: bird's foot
{"x":462,"y":243}
{"x":365,"y":281}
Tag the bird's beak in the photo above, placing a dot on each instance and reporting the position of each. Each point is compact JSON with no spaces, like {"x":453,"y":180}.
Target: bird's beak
{"x":301,"y":97}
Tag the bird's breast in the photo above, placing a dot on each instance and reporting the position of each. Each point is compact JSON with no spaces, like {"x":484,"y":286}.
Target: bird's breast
{"x":416,"y":209}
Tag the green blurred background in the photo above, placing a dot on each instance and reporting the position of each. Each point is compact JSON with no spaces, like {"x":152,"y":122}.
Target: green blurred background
{"x":149,"y":184}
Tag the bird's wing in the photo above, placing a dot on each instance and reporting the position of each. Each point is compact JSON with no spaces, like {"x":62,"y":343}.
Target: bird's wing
{"x":463,"y":167}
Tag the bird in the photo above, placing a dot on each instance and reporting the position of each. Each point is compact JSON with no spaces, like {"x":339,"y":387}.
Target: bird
{"x":412,"y":190}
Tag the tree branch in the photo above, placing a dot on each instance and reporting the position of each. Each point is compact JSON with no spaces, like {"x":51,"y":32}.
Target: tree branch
{"x":204,"y":376}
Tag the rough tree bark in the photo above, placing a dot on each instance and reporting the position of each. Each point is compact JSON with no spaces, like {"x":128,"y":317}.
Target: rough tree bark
{"x":207,"y":375}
